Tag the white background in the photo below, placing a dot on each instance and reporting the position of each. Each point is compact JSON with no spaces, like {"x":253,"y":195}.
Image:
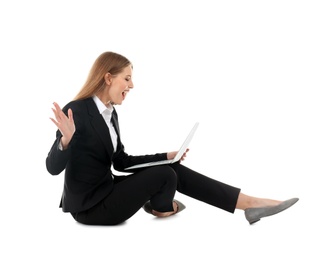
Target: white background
{"x":251,"y":72}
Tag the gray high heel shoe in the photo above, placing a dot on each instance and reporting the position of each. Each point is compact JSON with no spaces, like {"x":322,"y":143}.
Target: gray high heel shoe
{"x":255,"y":214}
{"x":148,"y":207}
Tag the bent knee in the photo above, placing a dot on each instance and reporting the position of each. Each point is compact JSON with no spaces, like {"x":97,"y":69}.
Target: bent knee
{"x":165,"y":172}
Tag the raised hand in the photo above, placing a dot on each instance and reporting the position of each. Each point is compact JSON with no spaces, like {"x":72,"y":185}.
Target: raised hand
{"x":64,"y":123}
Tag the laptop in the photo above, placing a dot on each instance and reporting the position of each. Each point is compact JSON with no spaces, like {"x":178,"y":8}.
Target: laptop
{"x":178,"y":156}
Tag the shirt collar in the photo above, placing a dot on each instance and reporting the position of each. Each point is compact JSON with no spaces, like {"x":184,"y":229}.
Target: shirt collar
{"x":101,"y":106}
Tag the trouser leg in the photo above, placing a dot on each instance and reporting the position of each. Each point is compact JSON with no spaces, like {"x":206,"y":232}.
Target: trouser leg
{"x":206,"y":189}
{"x":157,"y":184}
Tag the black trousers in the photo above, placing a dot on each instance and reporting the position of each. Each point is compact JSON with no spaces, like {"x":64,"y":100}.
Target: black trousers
{"x":157,"y":184}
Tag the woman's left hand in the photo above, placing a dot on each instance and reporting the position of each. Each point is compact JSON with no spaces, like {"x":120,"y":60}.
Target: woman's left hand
{"x":171,"y":155}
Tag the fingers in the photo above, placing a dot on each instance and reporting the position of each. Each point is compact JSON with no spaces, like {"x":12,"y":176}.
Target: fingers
{"x":56,"y":110}
{"x":59,"y":114}
{"x":54,"y":121}
{"x":70,"y":115}
{"x":56,"y":116}
{"x":184,"y":155}
{"x":56,"y":106}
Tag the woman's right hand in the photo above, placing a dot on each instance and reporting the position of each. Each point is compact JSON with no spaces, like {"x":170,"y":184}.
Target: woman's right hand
{"x":64,"y":123}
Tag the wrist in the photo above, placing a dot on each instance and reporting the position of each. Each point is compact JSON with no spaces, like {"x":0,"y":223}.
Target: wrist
{"x":63,"y":144}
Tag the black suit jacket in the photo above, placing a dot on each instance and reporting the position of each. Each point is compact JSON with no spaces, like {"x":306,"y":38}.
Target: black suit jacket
{"x":88,"y":159}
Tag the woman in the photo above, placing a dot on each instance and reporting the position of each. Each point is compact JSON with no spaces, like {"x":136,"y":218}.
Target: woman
{"x":88,"y":144}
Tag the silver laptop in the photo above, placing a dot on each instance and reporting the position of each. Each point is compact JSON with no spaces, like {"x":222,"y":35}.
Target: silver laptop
{"x":181,"y":151}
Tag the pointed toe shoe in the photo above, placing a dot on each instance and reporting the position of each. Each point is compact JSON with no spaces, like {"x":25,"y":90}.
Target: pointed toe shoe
{"x":253,"y":215}
{"x":148,"y":207}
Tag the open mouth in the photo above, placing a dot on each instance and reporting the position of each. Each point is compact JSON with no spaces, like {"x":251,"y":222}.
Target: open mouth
{"x":124,"y":93}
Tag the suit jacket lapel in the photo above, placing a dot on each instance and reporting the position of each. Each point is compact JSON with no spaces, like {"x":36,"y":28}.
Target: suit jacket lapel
{"x":100,"y":126}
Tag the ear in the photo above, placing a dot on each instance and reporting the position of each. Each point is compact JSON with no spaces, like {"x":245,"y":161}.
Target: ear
{"x":108,"y":78}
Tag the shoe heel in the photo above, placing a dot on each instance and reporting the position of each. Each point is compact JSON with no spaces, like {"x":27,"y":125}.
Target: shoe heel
{"x":253,"y":221}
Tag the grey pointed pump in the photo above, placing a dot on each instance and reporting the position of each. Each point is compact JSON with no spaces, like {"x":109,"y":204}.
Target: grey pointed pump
{"x":255,"y":214}
{"x":148,"y":207}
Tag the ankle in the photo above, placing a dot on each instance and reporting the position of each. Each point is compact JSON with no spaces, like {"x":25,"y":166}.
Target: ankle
{"x":166,"y":214}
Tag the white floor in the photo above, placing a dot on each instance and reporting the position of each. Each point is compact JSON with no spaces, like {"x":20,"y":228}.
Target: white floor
{"x":198,"y":232}
{"x":34,"y":227}
{"x":251,"y":72}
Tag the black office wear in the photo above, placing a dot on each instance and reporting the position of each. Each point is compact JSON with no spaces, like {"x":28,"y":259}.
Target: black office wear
{"x":94,"y":195}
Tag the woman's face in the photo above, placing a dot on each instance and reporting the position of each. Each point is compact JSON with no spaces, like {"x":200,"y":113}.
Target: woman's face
{"x":119,"y":85}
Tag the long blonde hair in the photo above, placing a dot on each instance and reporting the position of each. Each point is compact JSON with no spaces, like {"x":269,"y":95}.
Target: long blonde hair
{"x":110,"y":62}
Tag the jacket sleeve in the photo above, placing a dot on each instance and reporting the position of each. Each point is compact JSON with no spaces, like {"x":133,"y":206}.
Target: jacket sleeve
{"x":57,"y":159}
{"x":122,"y":160}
